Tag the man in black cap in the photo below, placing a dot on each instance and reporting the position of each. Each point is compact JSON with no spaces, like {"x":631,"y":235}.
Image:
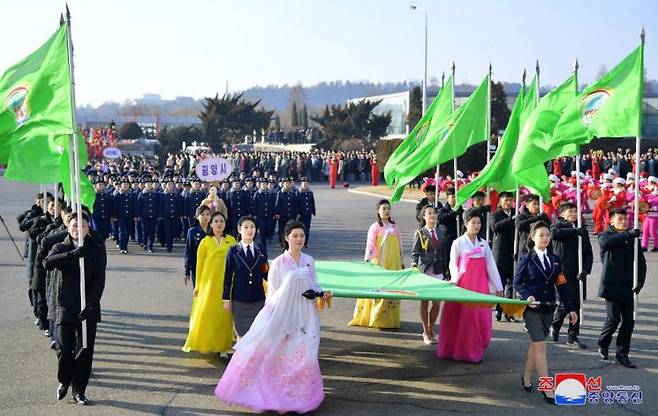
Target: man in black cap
{"x":102,"y":210}
{"x":285,"y":206}
{"x":147,"y":208}
{"x":171,"y":211}
{"x":193,"y":199}
{"x":306,"y":206}
{"x":262,"y":208}
{"x":124,"y":212}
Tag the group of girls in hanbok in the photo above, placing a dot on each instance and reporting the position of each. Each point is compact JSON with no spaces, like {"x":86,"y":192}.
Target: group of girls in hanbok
{"x":274,"y":365}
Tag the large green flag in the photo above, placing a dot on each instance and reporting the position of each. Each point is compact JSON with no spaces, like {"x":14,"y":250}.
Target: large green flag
{"x":437,"y":113}
{"x":87,"y":191}
{"x":611,"y":107}
{"x":350,"y":279}
{"x":465,"y":127}
{"x":537,"y":131}
{"x":35,"y":99}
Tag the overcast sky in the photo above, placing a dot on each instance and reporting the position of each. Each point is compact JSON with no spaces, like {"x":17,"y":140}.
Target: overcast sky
{"x":125,"y":48}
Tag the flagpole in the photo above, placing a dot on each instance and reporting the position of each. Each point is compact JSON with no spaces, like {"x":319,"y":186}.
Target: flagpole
{"x":56,"y":194}
{"x":516,"y":208}
{"x":76,"y":177}
{"x":455,"y":159}
{"x":436,"y":174}
{"x":488,"y":132}
{"x":541,"y":197}
{"x":636,"y":199}
{"x":579,"y":211}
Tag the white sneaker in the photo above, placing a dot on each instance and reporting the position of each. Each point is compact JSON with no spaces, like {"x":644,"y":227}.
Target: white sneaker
{"x":427,"y":340}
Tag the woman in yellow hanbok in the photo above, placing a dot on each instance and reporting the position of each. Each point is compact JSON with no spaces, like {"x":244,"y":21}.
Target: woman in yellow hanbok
{"x":211,"y":327}
{"x":383,"y":247}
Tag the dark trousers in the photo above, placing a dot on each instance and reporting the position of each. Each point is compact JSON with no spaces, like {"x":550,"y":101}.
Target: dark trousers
{"x":139,"y":229}
{"x":125,"y":225}
{"x":74,"y":366}
{"x":306,"y":220}
{"x":261,"y":237}
{"x":282,"y":226}
{"x":506,"y":280}
{"x":115,"y":230}
{"x":160,"y":232}
{"x":169,"y":226}
{"x":616,"y":313}
{"x":102,"y":226}
{"x":148,"y":225}
{"x":42,"y":308}
{"x":562,"y":312}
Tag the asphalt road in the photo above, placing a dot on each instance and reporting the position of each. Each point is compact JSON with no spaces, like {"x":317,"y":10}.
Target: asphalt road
{"x":139,"y":368}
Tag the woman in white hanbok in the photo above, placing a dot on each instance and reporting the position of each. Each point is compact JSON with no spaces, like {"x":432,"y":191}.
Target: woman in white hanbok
{"x":275,"y":365}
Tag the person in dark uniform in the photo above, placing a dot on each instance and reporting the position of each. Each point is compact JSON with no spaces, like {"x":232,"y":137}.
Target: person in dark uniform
{"x":565,"y":236}
{"x":147,"y":211}
{"x":617,"y":286}
{"x":306,"y":207}
{"x":124,"y":212}
{"x":249,"y":186}
{"x":430,"y":194}
{"x":246,"y":268}
{"x":502,"y":225}
{"x":170,"y":209}
{"x":285,"y":206}
{"x":450,"y":223}
{"x":138,"y":229}
{"x":195,"y":234}
{"x":528,"y":216}
{"x":262,"y":209}
{"x":192,"y":201}
{"x":538,"y":275}
{"x":74,"y":363}
{"x":102,"y":209}
{"x":238,"y":207}
{"x":481,"y":210}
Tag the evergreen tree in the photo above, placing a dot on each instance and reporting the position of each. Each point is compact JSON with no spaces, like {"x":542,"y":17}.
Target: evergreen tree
{"x":499,"y":111}
{"x":415,"y":107}
{"x":294,"y":117}
{"x":277,"y":121}
{"x":304,"y":117}
{"x":353,"y":121}
{"x":230,"y":118}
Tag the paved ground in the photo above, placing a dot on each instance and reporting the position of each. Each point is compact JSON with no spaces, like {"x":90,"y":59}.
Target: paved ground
{"x":139,"y":368}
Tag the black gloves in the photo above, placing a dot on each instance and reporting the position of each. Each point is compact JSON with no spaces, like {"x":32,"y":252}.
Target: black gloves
{"x":312,"y":294}
{"x":637,"y":289}
{"x":86,"y":312}
{"x":634,"y":233}
{"x":582,"y":231}
{"x":582,"y":277}
{"x":77,"y":253}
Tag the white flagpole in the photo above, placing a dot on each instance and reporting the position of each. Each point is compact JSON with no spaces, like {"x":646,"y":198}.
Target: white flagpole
{"x":541,"y":197}
{"x":56,"y":194}
{"x":488,"y":133}
{"x":76,"y":178}
{"x":436,"y":174}
{"x":636,"y":199}
{"x":454,"y":162}
{"x":516,"y":210}
{"x":581,"y":287}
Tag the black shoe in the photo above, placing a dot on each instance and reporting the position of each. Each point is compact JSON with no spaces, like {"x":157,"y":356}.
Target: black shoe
{"x":549,"y":400}
{"x":80,"y":399}
{"x":61,"y":391}
{"x":529,"y":388}
{"x":603,"y":353}
{"x":623,"y":360}
{"x":575,"y":343}
{"x":499,"y":315}
{"x":654,"y":249}
{"x":555,"y":335}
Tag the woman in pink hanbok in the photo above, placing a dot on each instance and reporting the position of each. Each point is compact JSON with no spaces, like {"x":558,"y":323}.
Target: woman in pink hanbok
{"x":465,"y":329}
{"x":275,"y":365}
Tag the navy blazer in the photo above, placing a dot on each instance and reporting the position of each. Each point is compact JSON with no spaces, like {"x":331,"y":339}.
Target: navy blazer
{"x":530,"y":279}
{"x":194,"y":237}
{"x":243,"y":282}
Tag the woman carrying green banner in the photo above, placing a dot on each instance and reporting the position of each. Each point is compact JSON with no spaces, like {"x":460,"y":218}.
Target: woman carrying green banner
{"x":383,"y":247}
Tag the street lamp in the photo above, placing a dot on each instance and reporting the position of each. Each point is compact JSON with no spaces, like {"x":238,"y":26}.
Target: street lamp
{"x":425,"y":72}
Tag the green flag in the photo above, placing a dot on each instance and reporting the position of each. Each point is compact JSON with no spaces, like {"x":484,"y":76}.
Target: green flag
{"x":611,"y":107}
{"x":87,"y":191}
{"x":35,"y":99}
{"x":537,"y":131}
{"x":445,"y":141}
{"x":436,"y":114}
{"x":349,"y":279}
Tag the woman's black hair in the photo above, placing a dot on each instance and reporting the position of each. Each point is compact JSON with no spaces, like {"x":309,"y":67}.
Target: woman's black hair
{"x":201,"y":208}
{"x":209,"y":231}
{"x":379,"y":219}
{"x":533,"y":228}
{"x":291,"y":225}
{"x":247,"y":218}
{"x":470,"y":214}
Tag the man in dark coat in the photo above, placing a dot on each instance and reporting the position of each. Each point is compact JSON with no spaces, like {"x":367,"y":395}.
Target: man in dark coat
{"x":565,"y":236}
{"x":529,"y":215}
{"x":502,"y":225}
{"x":430,"y":193}
{"x":74,"y":363}
{"x":617,"y":286}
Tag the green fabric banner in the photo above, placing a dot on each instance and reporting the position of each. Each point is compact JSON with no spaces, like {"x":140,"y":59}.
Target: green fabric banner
{"x":348,"y":279}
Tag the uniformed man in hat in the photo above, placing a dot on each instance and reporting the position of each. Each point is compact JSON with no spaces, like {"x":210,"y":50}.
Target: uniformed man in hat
{"x":147,"y":206}
{"x":102,"y":209}
{"x":238,"y":206}
{"x":249,"y":187}
{"x":171,"y":212}
{"x":306,"y":206}
{"x":124,"y":212}
{"x":193,"y":199}
{"x":285,"y":207}
{"x":263,"y":210}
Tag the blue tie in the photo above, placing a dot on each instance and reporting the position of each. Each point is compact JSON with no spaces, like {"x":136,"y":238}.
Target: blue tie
{"x":547,"y":264}
{"x":250,"y":255}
